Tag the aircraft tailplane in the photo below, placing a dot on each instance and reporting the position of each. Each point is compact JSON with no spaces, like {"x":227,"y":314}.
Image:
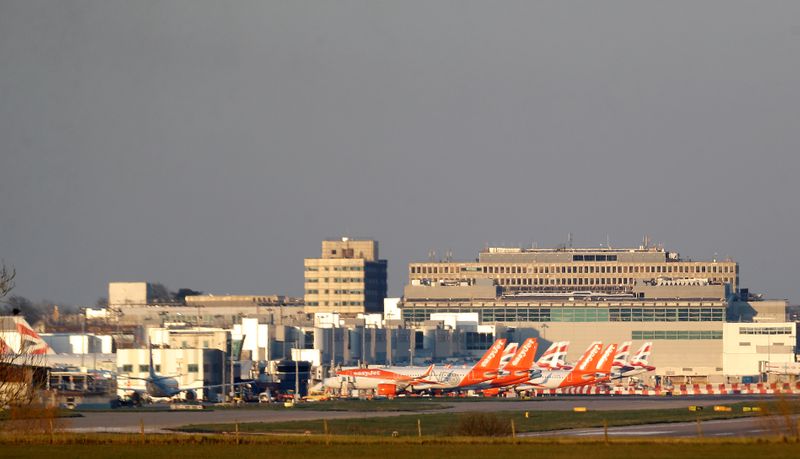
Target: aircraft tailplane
{"x":523,"y":359}
{"x":491,"y":359}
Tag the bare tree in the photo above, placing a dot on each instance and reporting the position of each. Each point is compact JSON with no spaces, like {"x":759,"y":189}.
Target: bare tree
{"x":21,"y":353}
{"x":7,"y":276}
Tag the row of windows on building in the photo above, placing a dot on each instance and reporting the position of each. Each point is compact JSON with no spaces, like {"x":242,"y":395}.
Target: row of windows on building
{"x":334,"y":303}
{"x":335,"y":280}
{"x":670,"y":268}
{"x":417,"y":315}
{"x":335,"y":292}
{"x":765,"y":331}
{"x":675,"y":335}
{"x":191,"y":368}
{"x":334,"y":268}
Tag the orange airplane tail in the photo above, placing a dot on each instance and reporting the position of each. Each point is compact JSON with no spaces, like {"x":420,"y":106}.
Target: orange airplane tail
{"x":588,"y":361}
{"x":606,"y":360}
{"x":491,"y":359}
{"x":523,"y":359}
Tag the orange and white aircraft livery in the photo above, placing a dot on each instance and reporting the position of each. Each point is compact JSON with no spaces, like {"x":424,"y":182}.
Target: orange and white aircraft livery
{"x":519,"y":369}
{"x":594,"y":366}
{"x":374,"y":378}
{"x":419,"y":378}
{"x":486,"y":369}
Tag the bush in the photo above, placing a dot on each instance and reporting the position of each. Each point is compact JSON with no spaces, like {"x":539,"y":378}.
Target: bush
{"x":481,"y":425}
{"x":32,"y":419}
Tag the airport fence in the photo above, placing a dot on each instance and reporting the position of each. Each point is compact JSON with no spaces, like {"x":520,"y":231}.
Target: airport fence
{"x":681,"y":389}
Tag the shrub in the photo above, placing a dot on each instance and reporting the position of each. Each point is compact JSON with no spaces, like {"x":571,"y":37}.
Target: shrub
{"x":481,"y":425}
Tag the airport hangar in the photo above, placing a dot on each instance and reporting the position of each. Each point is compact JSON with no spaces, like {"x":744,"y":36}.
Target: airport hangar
{"x":704,"y":328}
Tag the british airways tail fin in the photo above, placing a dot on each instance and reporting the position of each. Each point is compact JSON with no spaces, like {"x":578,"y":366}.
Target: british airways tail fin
{"x":621,"y":358}
{"x":642,"y":355}
{"x":508,"y":354}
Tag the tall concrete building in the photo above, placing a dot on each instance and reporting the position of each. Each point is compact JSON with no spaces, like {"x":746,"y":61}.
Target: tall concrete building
{"x":348,"y":278}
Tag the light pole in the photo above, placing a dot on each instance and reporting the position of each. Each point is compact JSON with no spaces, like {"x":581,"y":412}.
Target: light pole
{"x":296,"y":374}
{"x":83,"y":335}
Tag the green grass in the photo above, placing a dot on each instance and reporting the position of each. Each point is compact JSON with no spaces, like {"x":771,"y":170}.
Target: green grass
{"x":348,"y":448}
{"x":442,"y":423}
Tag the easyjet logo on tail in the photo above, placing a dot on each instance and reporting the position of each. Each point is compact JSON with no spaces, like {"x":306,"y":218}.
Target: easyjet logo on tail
{"x":523,"y":351}
{"x":606,"y":357}
{"x":589,"y":356}
{"x":493,"y":352}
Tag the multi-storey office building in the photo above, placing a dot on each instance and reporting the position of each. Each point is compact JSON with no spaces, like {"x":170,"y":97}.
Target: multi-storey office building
{"x":348,"y":278}
{"x":518,"y":270}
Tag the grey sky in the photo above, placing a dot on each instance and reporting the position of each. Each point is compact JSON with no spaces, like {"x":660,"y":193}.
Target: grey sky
{"x":212,"y":145}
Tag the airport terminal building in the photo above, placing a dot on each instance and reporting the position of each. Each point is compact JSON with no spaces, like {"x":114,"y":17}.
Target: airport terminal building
{"x":582,"y":295}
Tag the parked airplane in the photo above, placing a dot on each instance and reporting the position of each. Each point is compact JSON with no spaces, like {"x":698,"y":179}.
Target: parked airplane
{"x":621,"y":359}
{"x":398,"y":379}
{"x":486,"y":369}
{"x":18,"y":337}
{"x":594,"y":366}
{"x":395,"y":378}
{"x":160,"y":386}
{"x":557,"y":361}
{"x":637,"y":365}
{"x":508,"y":354}
{"x":518,"y":370}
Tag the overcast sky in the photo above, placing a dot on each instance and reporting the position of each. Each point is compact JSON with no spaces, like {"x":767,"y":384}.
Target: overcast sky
{"x":213,"y":145}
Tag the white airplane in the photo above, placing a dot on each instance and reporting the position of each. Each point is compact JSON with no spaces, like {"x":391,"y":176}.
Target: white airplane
{"x":160,"y":386}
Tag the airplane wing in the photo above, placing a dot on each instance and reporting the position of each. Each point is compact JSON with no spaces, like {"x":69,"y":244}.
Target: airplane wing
{"x":212,"y":386}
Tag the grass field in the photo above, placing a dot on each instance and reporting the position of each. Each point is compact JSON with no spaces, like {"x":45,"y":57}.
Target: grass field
{"x":347,"y":447}
{"x":442,"y":423}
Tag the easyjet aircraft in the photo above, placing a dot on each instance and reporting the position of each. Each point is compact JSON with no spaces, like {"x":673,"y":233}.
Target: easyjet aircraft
{"x":486,"y":369}
{"x":371,"y":378}
{"x":594,"y":366}
{"x":637,"y":365}
{"x":518,"y":370}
